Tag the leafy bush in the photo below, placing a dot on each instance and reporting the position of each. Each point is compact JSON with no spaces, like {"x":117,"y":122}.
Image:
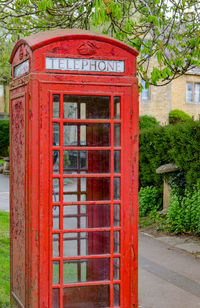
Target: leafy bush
{"x":4,"y":137}
{"x":153,"y":152}
{"x":149,"y":200}
{"x":184,"y":150}
{"x":177,"y":115}
{"x":183,"y":215}
{"x":177,"y":180}
{"x":178,"y":144}
{"x":147,"y":122}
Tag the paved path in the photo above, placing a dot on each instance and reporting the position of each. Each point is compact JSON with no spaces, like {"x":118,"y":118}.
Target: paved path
{"x":168,"y":277}
{"x":4,"y":192}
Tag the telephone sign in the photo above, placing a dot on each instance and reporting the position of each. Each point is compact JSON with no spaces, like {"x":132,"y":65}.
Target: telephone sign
{"x":84,"y":65}
{"x":74,"y":172}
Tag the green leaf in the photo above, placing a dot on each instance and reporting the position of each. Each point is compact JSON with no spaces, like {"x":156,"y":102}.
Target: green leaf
{"x":159,"y":56}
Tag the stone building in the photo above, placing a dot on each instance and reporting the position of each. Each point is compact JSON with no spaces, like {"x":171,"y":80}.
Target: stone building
{"x":182,"y":93}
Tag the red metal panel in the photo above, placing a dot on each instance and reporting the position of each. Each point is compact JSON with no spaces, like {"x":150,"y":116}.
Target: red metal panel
{"x":17,"y":185}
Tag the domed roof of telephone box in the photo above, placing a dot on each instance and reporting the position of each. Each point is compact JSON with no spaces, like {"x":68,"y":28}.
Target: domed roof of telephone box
{"x":41,"y":39}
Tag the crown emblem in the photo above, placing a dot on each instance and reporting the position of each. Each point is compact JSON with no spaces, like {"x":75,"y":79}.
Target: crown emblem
{"x":87,"y":48}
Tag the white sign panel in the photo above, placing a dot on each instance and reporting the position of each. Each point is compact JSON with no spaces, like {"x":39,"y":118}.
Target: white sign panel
{"x":21,"y":68}
{"x":85,"y":65}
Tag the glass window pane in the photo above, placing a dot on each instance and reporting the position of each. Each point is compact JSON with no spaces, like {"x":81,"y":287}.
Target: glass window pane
{"x":56,"y":252}
{"x":116,"y":265}
{"x":70,"y":210}
{"x":70,"y":185}
{"x":86,"y":243}
{"x":83,"y":110}
{"x":56,"y":298}
{"x":70,"y":135}
{"x":70,"y":223}
{"x":70,"y":197}
{"x":116,"y":215}
{"x":56,"y":106}
{"x":98,"y":215}
{"x":94,"y":189}
{"x":86,"y":297}
{"x":98,"y":135}
{"x":117,"y":107}
{"x":83,"y":184}
{"x":70,"y":246}
{"x":70,"y":161}
{"x":86,"y":216}
{"x":56,"y":134}
{"x":98,"y":189}
{"x":116,"y":188}
{"x":83,"y":135}
{"x":116,"y":241}
{"x":56,"y":162}
{"x":83,"y":197}
{"x":86,"y":270}
{"x":56,"y":268}
{"x":83,"y":222}
{"x":83,"y":158}
{"x":70,"y":109}
{"x":98,"y":162}
{"x":91,"y":134}
{"x":56,"y":218}
{"x":70,"y":189}
{"x":88,"y":161}
{"x":56,"y":190}
{"x":83,"y":209}
{"x":189,"y":92}
{"x":117,"y":138}
{"x":197,"y":93}
{"x":86,"y":107}
{"x":117,"y":161}
{"x":116,"y":295}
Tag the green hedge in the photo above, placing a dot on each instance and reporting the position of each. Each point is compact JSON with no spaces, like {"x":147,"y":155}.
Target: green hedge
{"x":147,"y":121}
{"x":179,"y":144}
{"x":176,"y":116}
{"x":4,"y":137}
{"x":153,"y":152}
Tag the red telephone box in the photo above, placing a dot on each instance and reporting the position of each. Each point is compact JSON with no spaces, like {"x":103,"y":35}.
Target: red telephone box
{"x":74,"y":171}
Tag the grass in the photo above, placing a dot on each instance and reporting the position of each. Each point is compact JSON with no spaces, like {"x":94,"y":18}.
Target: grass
{"x":4,"y":260}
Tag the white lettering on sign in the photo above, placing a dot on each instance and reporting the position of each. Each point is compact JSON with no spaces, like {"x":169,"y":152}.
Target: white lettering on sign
{"x":21,"y":68}
{"x":85,"y":65}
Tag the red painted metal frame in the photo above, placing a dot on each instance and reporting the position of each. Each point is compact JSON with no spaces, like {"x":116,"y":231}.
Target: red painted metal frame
{"x":37,"y":89}
{"x":112,"y":229}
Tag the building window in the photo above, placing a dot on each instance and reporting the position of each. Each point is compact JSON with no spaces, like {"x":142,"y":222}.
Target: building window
{"x":193,"y":93}
{"x":145,"y":95}
{"x":197,"y":93}
{"x":1,"y":90}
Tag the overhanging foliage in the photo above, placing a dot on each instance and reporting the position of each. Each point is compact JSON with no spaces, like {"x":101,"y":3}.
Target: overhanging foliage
{"x":166,"y":30}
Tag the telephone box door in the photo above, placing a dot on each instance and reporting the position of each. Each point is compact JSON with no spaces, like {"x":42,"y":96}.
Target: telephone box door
{"x":91,"y":198}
